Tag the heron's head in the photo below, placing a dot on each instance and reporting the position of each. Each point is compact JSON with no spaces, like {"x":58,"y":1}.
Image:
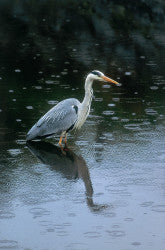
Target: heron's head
{"x":97,"y":75}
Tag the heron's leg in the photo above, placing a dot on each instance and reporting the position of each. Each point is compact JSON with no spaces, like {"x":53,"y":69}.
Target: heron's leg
{"x":65,"y":138}
{"x":60,"y":141}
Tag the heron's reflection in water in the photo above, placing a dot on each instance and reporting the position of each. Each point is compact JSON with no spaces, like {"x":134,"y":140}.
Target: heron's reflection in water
{"x":68,"y":163}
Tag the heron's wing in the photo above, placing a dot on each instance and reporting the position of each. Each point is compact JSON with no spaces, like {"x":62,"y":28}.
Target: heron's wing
{"x":60,"y":118}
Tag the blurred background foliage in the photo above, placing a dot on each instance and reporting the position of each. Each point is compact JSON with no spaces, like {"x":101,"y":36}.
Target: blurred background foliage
{"x":49,"y":28}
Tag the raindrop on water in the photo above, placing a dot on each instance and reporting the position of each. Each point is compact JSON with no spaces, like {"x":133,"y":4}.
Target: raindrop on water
{"x":154,"y":87}
{"x":38,"y":87}
{"x":29,"y":107}
{"x":17,"y":70}
{"x":52,"y":102}
{"x":64,"y":73}
{"x":111,"y":104}
{"x":127,"y":73}
{"x":108,"y":112}
{"x":116,"y":99}
{"x":49,"y":81}
{"x":115,"y":118}
{"x":106,"y":86}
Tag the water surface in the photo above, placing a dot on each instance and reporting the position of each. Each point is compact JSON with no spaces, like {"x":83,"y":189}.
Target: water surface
{"x":107,"y":189}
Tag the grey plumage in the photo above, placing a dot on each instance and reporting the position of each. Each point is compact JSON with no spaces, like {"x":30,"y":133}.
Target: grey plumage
{"x":57,"y":120}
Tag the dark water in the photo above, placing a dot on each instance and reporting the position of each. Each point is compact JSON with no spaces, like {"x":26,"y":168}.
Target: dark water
{"x":107,"y":190}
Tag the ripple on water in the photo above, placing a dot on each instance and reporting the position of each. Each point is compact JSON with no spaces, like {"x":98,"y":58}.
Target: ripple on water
{"x":106,"y":86}
{"x":38,"y":87}
{"x":128,"y":73}
{"x":122,"y":192}
{"x":108,"y":112}
{"x":38,"y":212}
{"x":109,"y":214}
{"x":49,"y":82}
{"x":29,"y":107}
{"x":6,"y":215}
{"x":115,"y":226}
{"x":8,"y":244}
{"x":147,"y":204}
{"x":136,"y":243}
{"x":133,"y":126}
{"x":50,"y":230}
{"x":77,"y":246}
{"x":78,"y":201}
{"x":18,"y":120}
{"x":14,"y":152}
{"x":116,"y":233}
{"x":111,"y":104}
{"x":107,"y":136}
{"x":158,"y":208}
{"x":62,"y":233}
{"x":92,"y":234}
{"x":124,"y":120}
{"x":17,"y":70}
{"x":71,"y":214}
{"x":115,"y":118}
{"x":154,"y":87}
{"x":21,"y":142}
{"x":150,"y":111}
{"x":45,"y":223}
{"x":82,"y":143}
{"x":99,"y":146}
{"x":116,"y":99}
{"x":52,"y":102}
{"x":128,"y":219}
{"x":98,"y":99}
{"x":60,"y":229}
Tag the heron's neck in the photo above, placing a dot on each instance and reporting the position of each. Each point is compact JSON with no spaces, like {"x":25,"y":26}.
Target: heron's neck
{"x":88,"y":92}
{"x":85,"y":107}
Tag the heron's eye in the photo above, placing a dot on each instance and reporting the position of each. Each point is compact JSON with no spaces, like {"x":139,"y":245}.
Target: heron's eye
{"x":96,"y":73}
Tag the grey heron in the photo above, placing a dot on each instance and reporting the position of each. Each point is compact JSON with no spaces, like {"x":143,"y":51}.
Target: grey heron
{"x":68,"y":114}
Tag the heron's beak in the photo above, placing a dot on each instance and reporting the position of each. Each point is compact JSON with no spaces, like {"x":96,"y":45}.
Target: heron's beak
{"x":107,"y":79}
